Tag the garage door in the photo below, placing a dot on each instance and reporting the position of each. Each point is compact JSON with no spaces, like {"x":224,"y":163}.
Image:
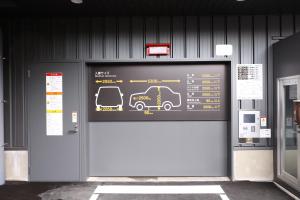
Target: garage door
{"x":158,"y":120}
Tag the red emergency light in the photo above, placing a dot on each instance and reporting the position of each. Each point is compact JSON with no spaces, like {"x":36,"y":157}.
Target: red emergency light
{"x":158,"y":49}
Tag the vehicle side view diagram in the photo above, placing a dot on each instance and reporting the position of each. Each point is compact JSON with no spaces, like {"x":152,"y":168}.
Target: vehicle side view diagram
{"x":155,"y":97}
{"x":109,"y":98}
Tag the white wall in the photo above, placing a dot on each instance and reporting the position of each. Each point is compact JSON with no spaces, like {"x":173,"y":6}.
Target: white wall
{"x":253,"y":165}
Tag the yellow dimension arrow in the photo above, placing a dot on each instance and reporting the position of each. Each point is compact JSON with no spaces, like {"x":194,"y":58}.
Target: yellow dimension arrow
{"x":138,"y":81}
{"x":170,"y":81}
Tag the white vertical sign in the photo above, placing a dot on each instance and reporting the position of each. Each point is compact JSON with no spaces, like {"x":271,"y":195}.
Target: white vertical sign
{"x":249,"y":81}
{"x":54,"y":103}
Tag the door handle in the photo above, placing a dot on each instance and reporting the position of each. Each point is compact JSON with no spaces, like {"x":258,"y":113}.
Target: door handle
{"x":75,"y":129}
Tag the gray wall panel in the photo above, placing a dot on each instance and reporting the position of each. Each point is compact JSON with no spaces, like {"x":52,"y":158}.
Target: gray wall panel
{"x":164,"y":30}
{"x":45,"y":28}
{"x":133,"y":149}
{"x":138,"y":42}
{"x":246,"y":54}
{"x":260,"y":56}
{"x":297,"y":23}
{"x":233,"y":37}
{"x":71,"y":39}
{"x":151,"y":32}
{"x":84,"y":48}
{"x":59,"y":39}
{"x":110,"y":38}
{"x":17,"y":88}
{"x":122,"y":38}
{"x":273,"y":30}
{"x":219,"y":34}
{"x":97,"y":38}
{"x":205,"y":30}
{"x":192,"y":37}
{"x":179,"y":39}
{"x":287,"y":25}
{"x":286,"y":57}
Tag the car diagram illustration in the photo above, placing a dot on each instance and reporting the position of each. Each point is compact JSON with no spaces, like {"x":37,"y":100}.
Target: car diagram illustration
{"x":155,"y":97}
{"x":109,"y":98}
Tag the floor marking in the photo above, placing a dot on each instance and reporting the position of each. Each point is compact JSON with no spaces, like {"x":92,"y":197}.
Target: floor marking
{"x":224,"y":197}
{"x":145,"y":189}
{"x":158,"y":189}
{"x":94,"y":197}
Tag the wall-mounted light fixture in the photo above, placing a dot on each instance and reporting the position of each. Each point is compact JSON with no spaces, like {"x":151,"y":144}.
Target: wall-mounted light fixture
{"x":77,"y":1}
{"x":161,"y":49}
{"x":223,"y":49}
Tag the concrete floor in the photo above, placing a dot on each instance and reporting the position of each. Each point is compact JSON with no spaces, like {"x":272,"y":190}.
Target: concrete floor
{"x":79,"y":191}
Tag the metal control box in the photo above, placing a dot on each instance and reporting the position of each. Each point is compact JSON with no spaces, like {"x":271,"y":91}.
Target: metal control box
{"x":249,"y":124}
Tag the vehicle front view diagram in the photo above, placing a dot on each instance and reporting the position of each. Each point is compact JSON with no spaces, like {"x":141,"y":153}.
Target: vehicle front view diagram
{"x":155,"y":97}
{"x":109,"y":98}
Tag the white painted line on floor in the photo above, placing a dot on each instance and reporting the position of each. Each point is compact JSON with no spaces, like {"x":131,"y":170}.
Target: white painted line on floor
{"x":161,"y":189}
{"x":224,"y":197}
{"x":94,"y":197}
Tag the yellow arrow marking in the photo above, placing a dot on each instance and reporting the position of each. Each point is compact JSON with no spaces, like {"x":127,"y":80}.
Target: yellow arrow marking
{"x":171,"y":81}
{"x":138,"y":81}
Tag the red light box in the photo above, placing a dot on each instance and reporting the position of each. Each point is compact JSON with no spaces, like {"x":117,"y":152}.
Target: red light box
{"x":158,"y":49}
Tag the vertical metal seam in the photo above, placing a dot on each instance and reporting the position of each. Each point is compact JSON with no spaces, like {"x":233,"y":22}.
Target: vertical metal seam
{"x":11,"y":142}
{"x":130,"y":38}
{"x":51,"y":38}
{"x":24,"y":88}
{"x":104,"y":38}
{"x":171,"y":37}
{"x":77,"y":39}
{"x":212,"y":36}
{"x":93,"y":38}
{"x":240,"y":58}
{"x":157,"y":30}
{"x":10,"y":95}
{"x":198,"y":37}
{"x":91,"y":43}
{"x":225,"y":30}
{"x":185,"y":37}
{"x":240,"y":39}
{"x":267,"y":75}
{"x":144,"y":37}
{"x":253,"y":40}
{"x":117,"y":37}
{"x":294,"y":24}
{"x":280,"y":25}
{"x":65,"y":40}
{"x":14,"y":88}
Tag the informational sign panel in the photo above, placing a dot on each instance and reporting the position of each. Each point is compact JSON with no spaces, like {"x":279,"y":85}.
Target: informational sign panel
{"x":265,"y":133}
{"x":158,"y":92}
{"x":249,"y":81}
{"x":54,"y":103}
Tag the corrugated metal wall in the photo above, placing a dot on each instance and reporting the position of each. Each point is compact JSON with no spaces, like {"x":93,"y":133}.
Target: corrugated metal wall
{"x":33,"y":40}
